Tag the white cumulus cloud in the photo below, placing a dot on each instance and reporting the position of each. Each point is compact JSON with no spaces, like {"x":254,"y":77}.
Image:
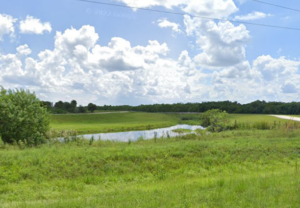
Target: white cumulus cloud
{"x":33,"y":25}
{"x":164,"y":23}
{"x":24,"y":50}
{"x":222,"y":44}
{"x":117,"y":72}
{"x":6,"y":25}
{"x":252,"y":16}
{"x":209,"y":8}
{"x":275,"y":69}
{"x":272,"y":79}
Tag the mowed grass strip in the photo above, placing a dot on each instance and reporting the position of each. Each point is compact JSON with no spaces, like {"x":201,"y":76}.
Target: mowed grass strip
{"x":229,"y":169}
{"x":114,"y":122}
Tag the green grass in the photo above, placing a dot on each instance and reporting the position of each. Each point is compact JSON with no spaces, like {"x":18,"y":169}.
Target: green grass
{"x":231,"y":169}
{"x":191,"y":119}
{"x":194,"y":119}
{"x":263,"y":122}
{"x":254,"y":118}
{"x":108,"y":111}
{"x":114,"y":122}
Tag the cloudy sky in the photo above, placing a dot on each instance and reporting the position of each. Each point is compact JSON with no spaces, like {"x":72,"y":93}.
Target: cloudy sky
{"x":68,"y":49}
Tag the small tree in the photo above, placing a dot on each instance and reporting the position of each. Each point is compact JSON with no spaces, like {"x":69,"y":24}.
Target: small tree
{"x":22,"y":117}
{"x":73,"y":105}
{"x":215,"y":120}
{"x":92,"y":107}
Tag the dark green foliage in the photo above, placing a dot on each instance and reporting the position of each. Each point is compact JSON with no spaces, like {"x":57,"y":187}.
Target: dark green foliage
{"x":73,"y":105}
{"x":65,"y":107}
{"x":256,"y":107}
{"x":92,"y":107}
{"x":22,"y":117}
{"x":81,"y":109}
{"x":59,"y":104}
{"x":47,"y":104}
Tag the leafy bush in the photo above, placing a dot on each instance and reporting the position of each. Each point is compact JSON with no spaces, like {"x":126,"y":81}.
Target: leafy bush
{"x":22,"y":118}
{"x":215,"y":120}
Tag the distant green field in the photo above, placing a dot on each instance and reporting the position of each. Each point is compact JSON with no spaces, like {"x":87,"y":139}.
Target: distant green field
{"x":253,"y":118}
{"x":98,"y":123}
{"x":115,"y":122}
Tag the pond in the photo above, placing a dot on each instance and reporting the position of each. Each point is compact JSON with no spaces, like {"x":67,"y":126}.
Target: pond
{"x":136,"y":135}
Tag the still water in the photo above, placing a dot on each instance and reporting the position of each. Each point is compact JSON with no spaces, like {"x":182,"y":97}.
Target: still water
{"x":146,"y":134}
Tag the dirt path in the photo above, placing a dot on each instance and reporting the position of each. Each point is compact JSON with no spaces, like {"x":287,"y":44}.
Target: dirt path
{"x":287,"y":117}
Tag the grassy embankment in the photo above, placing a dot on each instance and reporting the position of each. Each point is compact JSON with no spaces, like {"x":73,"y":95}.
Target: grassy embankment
{"x":242,"y":168}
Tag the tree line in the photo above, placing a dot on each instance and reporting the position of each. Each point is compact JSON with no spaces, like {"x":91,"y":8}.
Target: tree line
{"x":61,"y":107}
{"x":256,"y":107}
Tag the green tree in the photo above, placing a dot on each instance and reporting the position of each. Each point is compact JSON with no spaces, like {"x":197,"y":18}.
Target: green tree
{"x":22,"y":117}
{"x":73,"y":106}
{"x":92,"y":107}
{"x":59,"y":105}
{"x":215,"y":120}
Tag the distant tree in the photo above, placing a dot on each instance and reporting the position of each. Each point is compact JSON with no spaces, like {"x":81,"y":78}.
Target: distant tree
{"x":47,"y":104}
{"x":73,"y":106}
{"x":59,"y":105}
{"x":22,"y":117}
{"x":68,"y":107}
{"x":92,"y":107}
{"x":81,"y":109}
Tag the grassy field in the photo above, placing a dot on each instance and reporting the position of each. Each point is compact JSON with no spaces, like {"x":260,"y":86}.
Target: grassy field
{"x":250,"y":168}
{"x":114,"y":122}
{"x":253,"y":118}
{"x":232,"y":117}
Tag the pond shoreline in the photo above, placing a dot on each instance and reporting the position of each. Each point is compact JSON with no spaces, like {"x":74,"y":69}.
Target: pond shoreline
{"x":143,"y":134}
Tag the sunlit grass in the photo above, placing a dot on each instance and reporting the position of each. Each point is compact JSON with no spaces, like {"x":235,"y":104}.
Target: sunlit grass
{"x":253,"y":118}
{"x":98,"y":123}
{"x":244,"y":168}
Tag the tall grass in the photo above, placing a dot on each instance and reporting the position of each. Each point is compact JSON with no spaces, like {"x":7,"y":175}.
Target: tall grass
{"x":266,"y":125}
{"x":241,"y":168}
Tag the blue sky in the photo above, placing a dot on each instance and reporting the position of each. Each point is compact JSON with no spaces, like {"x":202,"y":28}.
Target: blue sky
{"x":68,"y":49}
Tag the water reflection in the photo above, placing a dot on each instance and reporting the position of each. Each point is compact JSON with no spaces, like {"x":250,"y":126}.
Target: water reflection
{"x":135,"y":135}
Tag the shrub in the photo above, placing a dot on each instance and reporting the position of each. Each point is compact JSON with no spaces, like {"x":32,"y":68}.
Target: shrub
{"x":215,"y":120}
{"x":22,"y":117}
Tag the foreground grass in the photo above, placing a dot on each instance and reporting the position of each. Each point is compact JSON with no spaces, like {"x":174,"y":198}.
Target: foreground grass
{"x":115,"y":122}
{"x":231,"y":169}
